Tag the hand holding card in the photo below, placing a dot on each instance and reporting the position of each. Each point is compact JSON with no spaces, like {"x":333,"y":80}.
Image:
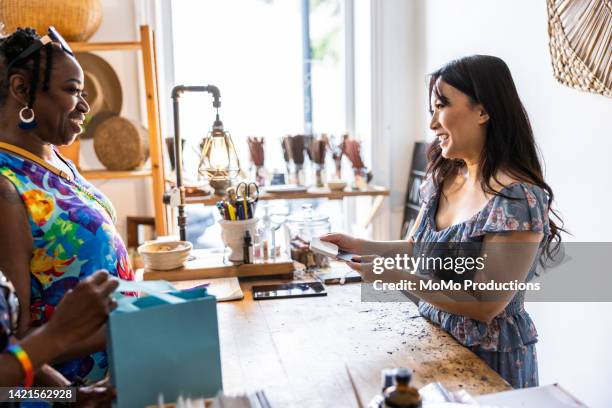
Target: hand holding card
{"x":331,"y":250}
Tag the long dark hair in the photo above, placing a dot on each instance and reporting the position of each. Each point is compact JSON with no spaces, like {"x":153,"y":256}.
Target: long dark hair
{"x":509,"y":143}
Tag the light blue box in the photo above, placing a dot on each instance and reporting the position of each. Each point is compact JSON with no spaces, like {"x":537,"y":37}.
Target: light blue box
{"x":164,"y":344}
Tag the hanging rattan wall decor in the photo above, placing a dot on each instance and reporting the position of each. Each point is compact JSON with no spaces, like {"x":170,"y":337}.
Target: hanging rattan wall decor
{"x":581,"y":43}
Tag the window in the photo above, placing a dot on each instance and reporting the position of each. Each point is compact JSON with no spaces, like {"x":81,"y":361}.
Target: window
{"x":253,"y":51}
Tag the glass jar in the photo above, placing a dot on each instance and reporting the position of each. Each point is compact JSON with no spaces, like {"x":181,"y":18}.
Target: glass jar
{"x":319,"y":175}
{"x":258,"y":173}
{"x":300,"y":228}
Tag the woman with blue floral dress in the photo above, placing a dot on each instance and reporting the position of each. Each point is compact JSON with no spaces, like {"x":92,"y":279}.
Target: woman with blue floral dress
{"x":485,"y":190}
{"x":507,"y":343}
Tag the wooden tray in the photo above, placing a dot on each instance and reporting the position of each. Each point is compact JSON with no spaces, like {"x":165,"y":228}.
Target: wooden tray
{"x":212,"y":265}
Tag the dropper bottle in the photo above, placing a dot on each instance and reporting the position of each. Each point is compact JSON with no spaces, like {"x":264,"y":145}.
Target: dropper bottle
{"x":402,"y":395}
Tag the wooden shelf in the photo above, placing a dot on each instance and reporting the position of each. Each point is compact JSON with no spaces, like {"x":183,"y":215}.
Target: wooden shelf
{"x":207,"y":265}
{"x":103,"y":46}
{"x":108,"y":175}
{"x":312,"y":193}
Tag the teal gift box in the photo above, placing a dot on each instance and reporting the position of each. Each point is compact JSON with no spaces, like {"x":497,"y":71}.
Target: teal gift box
{"x":164,"y":343}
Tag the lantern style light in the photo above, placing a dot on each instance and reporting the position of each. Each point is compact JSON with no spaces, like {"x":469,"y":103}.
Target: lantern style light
{"x":218,"y":161}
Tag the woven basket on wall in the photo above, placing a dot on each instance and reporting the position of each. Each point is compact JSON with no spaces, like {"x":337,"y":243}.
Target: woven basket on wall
{"x":76,"y":20}
{"x":581,"y":43}
{"x":121,"y":144}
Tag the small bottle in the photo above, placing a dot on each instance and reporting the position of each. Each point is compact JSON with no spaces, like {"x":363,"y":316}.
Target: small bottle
{"x":264,"y":249}
{"x":248,"y":248}
{"x":257,"y":255}
{"x":267,"y":235}
{"x":402,"y":395}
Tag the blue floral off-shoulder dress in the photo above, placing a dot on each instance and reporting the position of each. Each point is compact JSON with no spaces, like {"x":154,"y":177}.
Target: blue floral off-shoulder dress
{"x":507,"y":344}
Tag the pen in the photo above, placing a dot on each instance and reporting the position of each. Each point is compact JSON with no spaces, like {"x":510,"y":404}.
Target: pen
{"x":221,"y":208}
{"x":240,"y":211}
{"x":232,"y":212}
{"x":252,"y":204}
{"x":244,"y":206}
{"x":226,"y":211}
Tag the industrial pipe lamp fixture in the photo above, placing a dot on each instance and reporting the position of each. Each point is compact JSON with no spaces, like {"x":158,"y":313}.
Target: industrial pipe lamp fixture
{"x":218,"y":161}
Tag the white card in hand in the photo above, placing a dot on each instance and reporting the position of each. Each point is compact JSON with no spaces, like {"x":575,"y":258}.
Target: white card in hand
{"x":323,"y":248}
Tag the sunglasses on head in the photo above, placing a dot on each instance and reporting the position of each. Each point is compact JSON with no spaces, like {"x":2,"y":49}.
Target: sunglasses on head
{"x":53,"y":36}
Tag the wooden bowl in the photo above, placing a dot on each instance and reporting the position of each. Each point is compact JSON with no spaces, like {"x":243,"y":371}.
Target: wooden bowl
{"x":336,"y":185}
{"x":163,"y":255}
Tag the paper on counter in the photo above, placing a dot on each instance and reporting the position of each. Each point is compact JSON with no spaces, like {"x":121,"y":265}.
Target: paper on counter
{"x":547,"y":396}
{"x":223,"y":289}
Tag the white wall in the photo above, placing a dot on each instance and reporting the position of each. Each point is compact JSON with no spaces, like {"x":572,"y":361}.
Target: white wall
{"x":397,"y":79}
{"x":573,"y":130}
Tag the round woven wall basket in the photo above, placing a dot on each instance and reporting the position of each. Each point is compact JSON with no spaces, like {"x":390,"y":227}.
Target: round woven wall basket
{"x":121,"y":144}
{"x":76,"y":20}
{"x":581,"y":44}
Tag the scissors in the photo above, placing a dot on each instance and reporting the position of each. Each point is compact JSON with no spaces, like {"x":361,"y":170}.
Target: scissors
{"x":248,"y":199}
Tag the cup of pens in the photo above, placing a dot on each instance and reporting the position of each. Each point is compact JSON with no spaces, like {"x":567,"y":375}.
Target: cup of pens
{"x":236,"y":236}
{"x":239,"y":225}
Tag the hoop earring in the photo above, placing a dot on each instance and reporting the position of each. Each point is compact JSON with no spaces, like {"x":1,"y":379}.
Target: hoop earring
{"x":27,"y":123}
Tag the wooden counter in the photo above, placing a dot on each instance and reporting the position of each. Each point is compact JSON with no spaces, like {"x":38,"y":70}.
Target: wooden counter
{"x":297,"y":349}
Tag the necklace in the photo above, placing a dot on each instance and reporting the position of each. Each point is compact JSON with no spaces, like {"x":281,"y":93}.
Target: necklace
{"x":32,"y":157}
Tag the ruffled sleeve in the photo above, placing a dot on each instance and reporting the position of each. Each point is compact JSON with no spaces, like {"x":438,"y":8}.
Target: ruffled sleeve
{"x":426,"y":191}
{"x":525,"y":208}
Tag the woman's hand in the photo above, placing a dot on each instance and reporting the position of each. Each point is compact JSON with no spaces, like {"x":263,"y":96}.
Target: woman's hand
{"x":83,"y":310}
{"x":344,"y":242}
{"x":81,"y":313}
{"x":364,"y":265}
{"x":97,"y":395}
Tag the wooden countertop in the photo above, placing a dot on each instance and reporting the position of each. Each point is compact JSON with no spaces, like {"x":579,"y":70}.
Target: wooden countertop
{"x":297,"y":349}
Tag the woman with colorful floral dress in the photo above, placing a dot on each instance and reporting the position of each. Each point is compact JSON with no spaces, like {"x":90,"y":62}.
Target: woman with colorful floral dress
{"x":485,"y":193}
{"x":56,"y":228}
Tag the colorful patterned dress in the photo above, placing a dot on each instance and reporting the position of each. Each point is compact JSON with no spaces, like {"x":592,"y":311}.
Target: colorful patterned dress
{"x":74,"y":236}
{"x":507,"y":344}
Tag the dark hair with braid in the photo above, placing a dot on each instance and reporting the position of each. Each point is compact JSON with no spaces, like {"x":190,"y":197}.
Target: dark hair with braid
{"x":10,"y":48}
{"x":509,"y":144}
{"x":48,"y":66}
{"x":34,"y":81}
